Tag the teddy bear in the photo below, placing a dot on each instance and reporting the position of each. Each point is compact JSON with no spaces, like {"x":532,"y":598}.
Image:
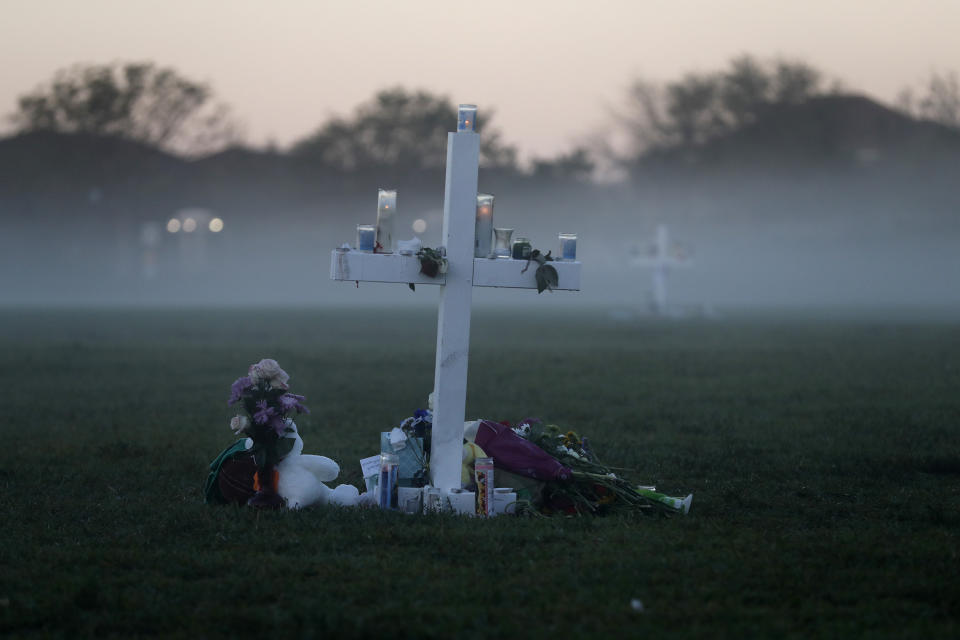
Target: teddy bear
{"x":300,"y":477}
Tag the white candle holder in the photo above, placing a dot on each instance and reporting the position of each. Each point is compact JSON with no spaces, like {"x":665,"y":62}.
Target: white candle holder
{"x":501,"y":246}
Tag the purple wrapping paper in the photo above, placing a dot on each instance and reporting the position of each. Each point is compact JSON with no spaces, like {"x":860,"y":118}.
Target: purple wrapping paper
{"x":517,"y":455}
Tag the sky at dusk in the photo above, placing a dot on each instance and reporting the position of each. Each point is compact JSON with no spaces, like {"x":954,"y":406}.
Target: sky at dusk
{"x":553,"y":71}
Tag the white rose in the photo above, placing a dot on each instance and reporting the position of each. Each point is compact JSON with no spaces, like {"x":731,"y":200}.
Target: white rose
{"x":269,"y":371}
{"x":239,"y":425}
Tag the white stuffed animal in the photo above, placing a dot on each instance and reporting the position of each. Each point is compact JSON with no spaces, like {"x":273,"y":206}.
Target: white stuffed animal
{"x":300,"y":478}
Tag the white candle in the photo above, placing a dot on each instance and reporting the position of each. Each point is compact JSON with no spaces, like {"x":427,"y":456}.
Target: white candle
{"x":386,"y":211}
{"x":484,"y":228}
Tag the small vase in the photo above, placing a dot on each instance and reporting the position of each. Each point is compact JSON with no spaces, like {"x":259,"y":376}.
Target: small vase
{"x":266,"y":496}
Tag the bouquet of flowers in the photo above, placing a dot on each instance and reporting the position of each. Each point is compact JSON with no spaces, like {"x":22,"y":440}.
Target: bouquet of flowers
{"x":264,"y":395}
{"x":553,"y":472}
{"x":573,"y":481}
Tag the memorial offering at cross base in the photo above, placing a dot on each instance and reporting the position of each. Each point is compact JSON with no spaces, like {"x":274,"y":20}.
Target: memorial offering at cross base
{"x":530,"y":468}
{"x":266,"y":468}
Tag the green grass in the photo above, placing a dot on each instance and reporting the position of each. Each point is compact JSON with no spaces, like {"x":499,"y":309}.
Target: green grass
{"x":823,"y":455}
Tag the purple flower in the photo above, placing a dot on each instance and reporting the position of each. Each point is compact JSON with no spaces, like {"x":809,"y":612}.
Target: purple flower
{"x":239,"y":386}
{"x":278,"y":424}
{"x":289,"y":401}
{"x":264,"y":414}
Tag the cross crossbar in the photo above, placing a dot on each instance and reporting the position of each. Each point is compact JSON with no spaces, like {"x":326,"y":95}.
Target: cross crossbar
{"x":358,"y":266}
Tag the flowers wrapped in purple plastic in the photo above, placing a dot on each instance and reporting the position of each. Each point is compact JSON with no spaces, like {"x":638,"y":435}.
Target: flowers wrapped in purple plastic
{"x":517,"y":455}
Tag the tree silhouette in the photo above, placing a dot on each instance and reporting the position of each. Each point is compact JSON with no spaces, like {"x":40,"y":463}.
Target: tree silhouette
{"x":744,"y":90}
{"x":398,"y":132}
{"x":942,"y":102}
{"x":702,"y":106}
{"x":576,"y":165}
{"x":137,"y":101}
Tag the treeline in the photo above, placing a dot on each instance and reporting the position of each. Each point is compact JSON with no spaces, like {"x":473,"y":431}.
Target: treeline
{"x":400,"y":133}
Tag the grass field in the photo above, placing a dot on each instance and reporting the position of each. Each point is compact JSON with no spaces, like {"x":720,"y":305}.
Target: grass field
{"x":823,"y":455}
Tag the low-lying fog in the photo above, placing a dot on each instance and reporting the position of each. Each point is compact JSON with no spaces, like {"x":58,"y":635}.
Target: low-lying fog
{"x":804,"y":255}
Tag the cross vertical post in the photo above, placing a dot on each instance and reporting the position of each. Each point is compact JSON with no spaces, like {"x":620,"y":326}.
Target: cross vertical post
{"x":453,"y":322}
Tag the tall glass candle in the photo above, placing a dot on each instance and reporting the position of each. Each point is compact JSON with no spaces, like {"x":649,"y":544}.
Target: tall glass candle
{"x":568,"y":246}
{"x":483,"y":237}
{"x":483,"y":474}
{"x":386,"y":212}
{"x":467,"y":117}
{"x":387,"y":482}
{"x":366,"y":237}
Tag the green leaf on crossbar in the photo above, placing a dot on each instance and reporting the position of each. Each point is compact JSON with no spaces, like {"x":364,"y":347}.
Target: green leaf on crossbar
{"x":547,"y":278}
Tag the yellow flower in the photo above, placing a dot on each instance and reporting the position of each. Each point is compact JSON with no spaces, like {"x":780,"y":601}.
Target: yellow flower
{"x":570,"y":439}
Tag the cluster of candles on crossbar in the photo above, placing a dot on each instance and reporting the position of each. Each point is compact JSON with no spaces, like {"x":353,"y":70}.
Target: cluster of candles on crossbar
{"x":498,"y":242}
{"x":489,"y":242}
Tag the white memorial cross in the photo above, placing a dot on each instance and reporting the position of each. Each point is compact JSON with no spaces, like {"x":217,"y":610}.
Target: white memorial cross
{"x":662,"y":256}
{"x":464,"y":272}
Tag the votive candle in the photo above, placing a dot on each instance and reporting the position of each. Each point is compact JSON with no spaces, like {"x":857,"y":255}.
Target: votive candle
{"x":568,"y":246}
{"x":366,"y":237}
{"x":467,"y":118}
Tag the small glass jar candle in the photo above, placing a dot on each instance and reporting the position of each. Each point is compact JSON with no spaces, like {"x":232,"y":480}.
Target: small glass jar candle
{"x":386,"y":212}
{"x":522,"y":248}
{"x":501,"y":245}
{"x":483,"y":235}
{"x":366,"y":237}
{"x":568,"y":246}
{"x":467,"y":118}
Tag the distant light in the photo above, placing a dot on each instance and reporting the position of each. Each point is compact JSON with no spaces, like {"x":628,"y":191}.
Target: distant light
{"x":189,"y":225}
{"x":173,"y":225}
{"x":216,"y":225}
{"x":419,"y":225}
